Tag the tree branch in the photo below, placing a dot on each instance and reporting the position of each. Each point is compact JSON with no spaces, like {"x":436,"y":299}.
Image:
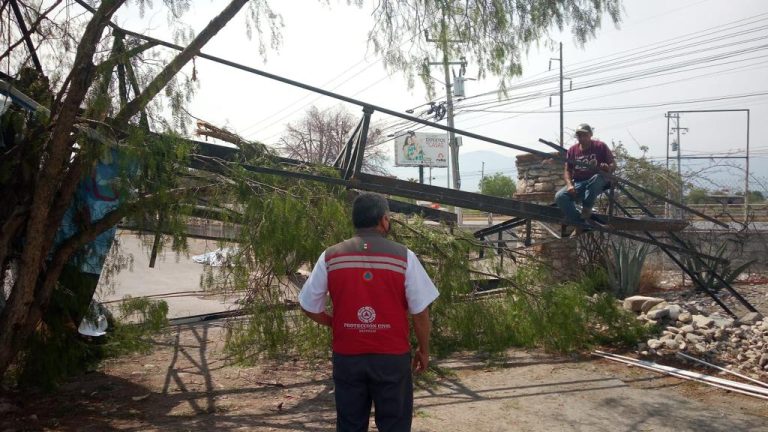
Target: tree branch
{"x":173,"y":68}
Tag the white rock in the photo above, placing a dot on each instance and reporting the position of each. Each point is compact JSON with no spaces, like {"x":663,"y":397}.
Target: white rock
{"x":750,"y":318}
{"x":657,"y":314}
{"x":694,"y":338}
{"x":635,"y":303}
{"x":685,"y":317}
{"x":702,"y":321}
{"x":673,"y":329}
{"x":654,"y":344}
{"x":651,"y":305}
{"x":723,"y":322}
{"x":672,"y":344}
{"x":675,"y":311}
{"x":688,"y":328}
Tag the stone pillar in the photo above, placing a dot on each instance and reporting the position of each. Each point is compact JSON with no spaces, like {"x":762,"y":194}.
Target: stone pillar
{"x":538,"y":179}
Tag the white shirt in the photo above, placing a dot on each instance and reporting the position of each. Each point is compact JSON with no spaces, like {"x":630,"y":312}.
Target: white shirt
{"x":420,"y":292}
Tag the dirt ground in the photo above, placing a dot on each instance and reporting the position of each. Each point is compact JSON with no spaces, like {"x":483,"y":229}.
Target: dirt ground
{"x":186,"y":383}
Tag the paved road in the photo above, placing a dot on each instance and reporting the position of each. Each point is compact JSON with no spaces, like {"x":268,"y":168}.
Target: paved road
{"x":171,"y":274}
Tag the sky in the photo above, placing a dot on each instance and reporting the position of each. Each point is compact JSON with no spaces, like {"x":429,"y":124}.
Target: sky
{"x":664,"y":56}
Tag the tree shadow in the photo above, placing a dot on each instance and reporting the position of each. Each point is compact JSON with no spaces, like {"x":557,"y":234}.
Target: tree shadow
{"x":597,"y":404}
{"x":187,"y":397}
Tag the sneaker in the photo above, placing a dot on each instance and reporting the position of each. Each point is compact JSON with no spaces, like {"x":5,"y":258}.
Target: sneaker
{"x":586,"y":213}
{"x":580,"y":230}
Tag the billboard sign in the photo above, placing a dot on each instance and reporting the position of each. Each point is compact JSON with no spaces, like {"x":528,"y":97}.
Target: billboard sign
{"x":427,"y":149}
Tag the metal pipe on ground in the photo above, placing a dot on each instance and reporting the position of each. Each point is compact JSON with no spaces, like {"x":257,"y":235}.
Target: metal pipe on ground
{"x":742,"y":376}
{"x":724,"y":384}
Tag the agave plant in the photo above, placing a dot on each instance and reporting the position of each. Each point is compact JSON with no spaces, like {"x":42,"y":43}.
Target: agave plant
{"x":704,"y":268}
{"x":625,"y":265}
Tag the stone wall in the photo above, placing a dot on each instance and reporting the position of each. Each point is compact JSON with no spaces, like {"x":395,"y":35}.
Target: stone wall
{"x":538,"y":179}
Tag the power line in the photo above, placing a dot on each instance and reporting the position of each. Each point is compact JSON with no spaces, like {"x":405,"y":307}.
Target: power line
{"x":629,"y":107}
{"x":628,"y":58}
{"x":680,"y":67}
{"x":624,"y":91}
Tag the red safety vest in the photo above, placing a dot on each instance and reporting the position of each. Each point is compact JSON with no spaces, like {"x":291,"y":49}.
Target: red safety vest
{"x":366,"y":281}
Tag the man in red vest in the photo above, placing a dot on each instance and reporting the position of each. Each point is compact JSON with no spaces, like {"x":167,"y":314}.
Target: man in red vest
{"x":374,"y":284}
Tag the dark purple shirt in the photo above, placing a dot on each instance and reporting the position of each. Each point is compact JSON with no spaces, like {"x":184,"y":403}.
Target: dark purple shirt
{"x":597,"y":153}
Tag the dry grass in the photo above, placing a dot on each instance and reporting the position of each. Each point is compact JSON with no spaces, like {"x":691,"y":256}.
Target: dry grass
{"x":650,"y":279}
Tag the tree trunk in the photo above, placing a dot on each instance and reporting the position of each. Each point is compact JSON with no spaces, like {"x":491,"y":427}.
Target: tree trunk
{"x":34,"y":284}
{"x":16,"y":321}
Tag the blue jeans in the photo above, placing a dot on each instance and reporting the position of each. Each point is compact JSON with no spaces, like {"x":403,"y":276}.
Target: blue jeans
{"x":587,"y":192}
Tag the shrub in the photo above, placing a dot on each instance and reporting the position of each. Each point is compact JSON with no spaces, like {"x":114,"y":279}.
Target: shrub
{"x":56,"y":350}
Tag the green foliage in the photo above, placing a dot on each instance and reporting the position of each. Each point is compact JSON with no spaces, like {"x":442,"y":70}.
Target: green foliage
{"x":558,"y":317}
{"x":93,"y":122}
{"x":536,"y":312}
{"x":625,"y":265}
{"x":140,"y":318}
{"x":650,"y":174}
{"x":284,"y":223}
{"x":276,"y":331}
{"x":498,"y":185}
{"x":56,"y":350}
{"x":697,"y":196}
{"x":756,"y":197}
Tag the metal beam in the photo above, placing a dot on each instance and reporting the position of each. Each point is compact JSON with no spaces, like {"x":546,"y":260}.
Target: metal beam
{"x":343,"y":157}
{"x":386,"y":185}
{"x":694,"y":277}
{"x":26,"y":35}
{"x":699,"y":257}
{"x":503,"y":226}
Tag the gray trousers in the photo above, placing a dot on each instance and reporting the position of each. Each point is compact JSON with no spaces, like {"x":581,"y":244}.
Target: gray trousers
{"x":383,"y":380}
